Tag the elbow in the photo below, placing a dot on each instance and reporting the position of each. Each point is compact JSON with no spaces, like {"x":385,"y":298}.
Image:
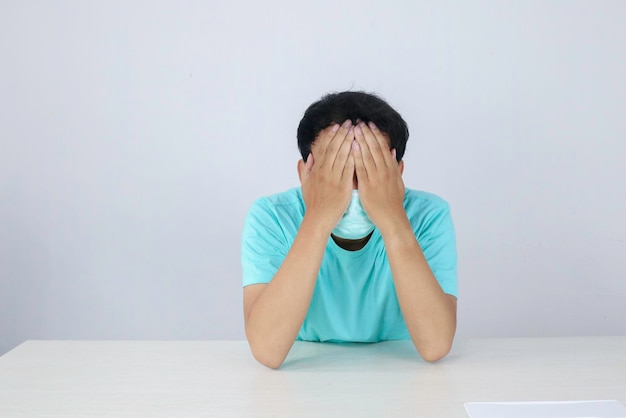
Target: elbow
{"x":272,"y":362}
{"x":265,"y":354}
{"x":434,"y":352}
{"x":434,"y":356}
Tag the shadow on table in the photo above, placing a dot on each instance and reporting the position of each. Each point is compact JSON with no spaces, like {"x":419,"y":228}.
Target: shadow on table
{"x":391,"y":355}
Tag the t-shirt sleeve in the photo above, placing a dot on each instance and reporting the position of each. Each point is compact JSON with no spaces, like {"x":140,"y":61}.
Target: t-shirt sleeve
{"x":438,"y":242}
{"x":263,"y":244}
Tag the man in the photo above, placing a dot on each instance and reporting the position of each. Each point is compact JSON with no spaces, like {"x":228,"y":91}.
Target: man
{"x":351,"y":255}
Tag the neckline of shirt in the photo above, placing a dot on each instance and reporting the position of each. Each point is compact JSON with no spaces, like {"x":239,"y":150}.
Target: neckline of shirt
{"x":342,"y":252}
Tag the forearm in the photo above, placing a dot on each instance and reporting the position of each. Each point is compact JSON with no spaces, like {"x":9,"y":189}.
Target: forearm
{"x":430,"y":314}
{"x":277,"y":314}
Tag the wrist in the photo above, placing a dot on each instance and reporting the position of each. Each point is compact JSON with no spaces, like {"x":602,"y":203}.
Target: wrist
{"x":316,"y":227}
{"x":396,"y":228}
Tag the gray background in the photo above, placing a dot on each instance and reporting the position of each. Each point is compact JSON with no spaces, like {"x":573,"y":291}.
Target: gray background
{"x":135,"y":135}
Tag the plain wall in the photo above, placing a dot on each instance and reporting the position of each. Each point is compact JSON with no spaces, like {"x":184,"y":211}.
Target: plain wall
{"x":135,"y":135}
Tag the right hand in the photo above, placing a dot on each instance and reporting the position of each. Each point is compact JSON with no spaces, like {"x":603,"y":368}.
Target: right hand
{"x":327,"y":176}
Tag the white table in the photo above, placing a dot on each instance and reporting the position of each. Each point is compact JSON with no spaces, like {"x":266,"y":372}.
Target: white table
{"x":221,"y":379}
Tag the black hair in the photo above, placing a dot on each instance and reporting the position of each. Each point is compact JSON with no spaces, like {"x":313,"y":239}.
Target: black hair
{"x":353,"y":105}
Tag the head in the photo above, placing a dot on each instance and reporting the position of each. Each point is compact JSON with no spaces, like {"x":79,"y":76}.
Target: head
{"x":337,"y":107}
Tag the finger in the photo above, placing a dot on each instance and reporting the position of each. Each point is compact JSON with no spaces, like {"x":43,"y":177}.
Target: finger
{"x":348,"y":169}
{"x":330,"y":153}
{"x":359,"y":162}
{"x":364,"y":149}
{"x":374,"y":145}
{"x":382,"y":142}
{"x":344,"y":152}
{"x":322,"y":141}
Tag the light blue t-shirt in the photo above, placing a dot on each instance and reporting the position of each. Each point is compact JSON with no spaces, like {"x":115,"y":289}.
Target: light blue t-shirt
{"x":354,"y":298}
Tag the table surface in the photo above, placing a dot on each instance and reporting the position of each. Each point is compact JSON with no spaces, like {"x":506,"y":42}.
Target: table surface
{"x":221,"y":378}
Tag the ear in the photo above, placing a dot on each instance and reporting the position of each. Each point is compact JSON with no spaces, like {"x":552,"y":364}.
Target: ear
{"x":301,"y":168}
{"x":305,"y":167}
{"x":400,"y":163}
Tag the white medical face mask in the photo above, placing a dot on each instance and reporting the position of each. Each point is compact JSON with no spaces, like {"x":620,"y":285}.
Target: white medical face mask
{"x":354,"y":224}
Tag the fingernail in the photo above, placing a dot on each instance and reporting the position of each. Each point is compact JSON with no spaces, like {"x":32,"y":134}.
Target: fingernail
{"x":335,"y":127}
{"x":347,"y":123}
{"x":358,"y":130}
{"x":355,"y":145}
{"x":372,"y":126}
{"x":351,"y":131}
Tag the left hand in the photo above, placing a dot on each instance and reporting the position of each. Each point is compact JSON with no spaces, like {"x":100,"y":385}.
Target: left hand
{"x":379,"y":177}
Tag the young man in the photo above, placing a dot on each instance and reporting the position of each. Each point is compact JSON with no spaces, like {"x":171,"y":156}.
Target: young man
{"x":351,"y":255}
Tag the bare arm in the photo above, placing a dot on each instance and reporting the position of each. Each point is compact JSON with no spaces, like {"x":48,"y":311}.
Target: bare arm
{"x":429,"y":313}
{"x":274,"y":312}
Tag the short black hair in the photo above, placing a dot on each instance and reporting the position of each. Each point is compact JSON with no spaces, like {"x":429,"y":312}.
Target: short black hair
{"x":353,"y":105}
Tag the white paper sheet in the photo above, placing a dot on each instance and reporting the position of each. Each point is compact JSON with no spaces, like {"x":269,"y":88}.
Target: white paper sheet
{"x":576,"y":409}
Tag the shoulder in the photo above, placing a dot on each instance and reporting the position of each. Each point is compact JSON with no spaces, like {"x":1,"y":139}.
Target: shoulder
{"x":282,"y":212}
{"x":287,"y":201}
{"x":424,"y":202}
{"x":426,"y":210}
